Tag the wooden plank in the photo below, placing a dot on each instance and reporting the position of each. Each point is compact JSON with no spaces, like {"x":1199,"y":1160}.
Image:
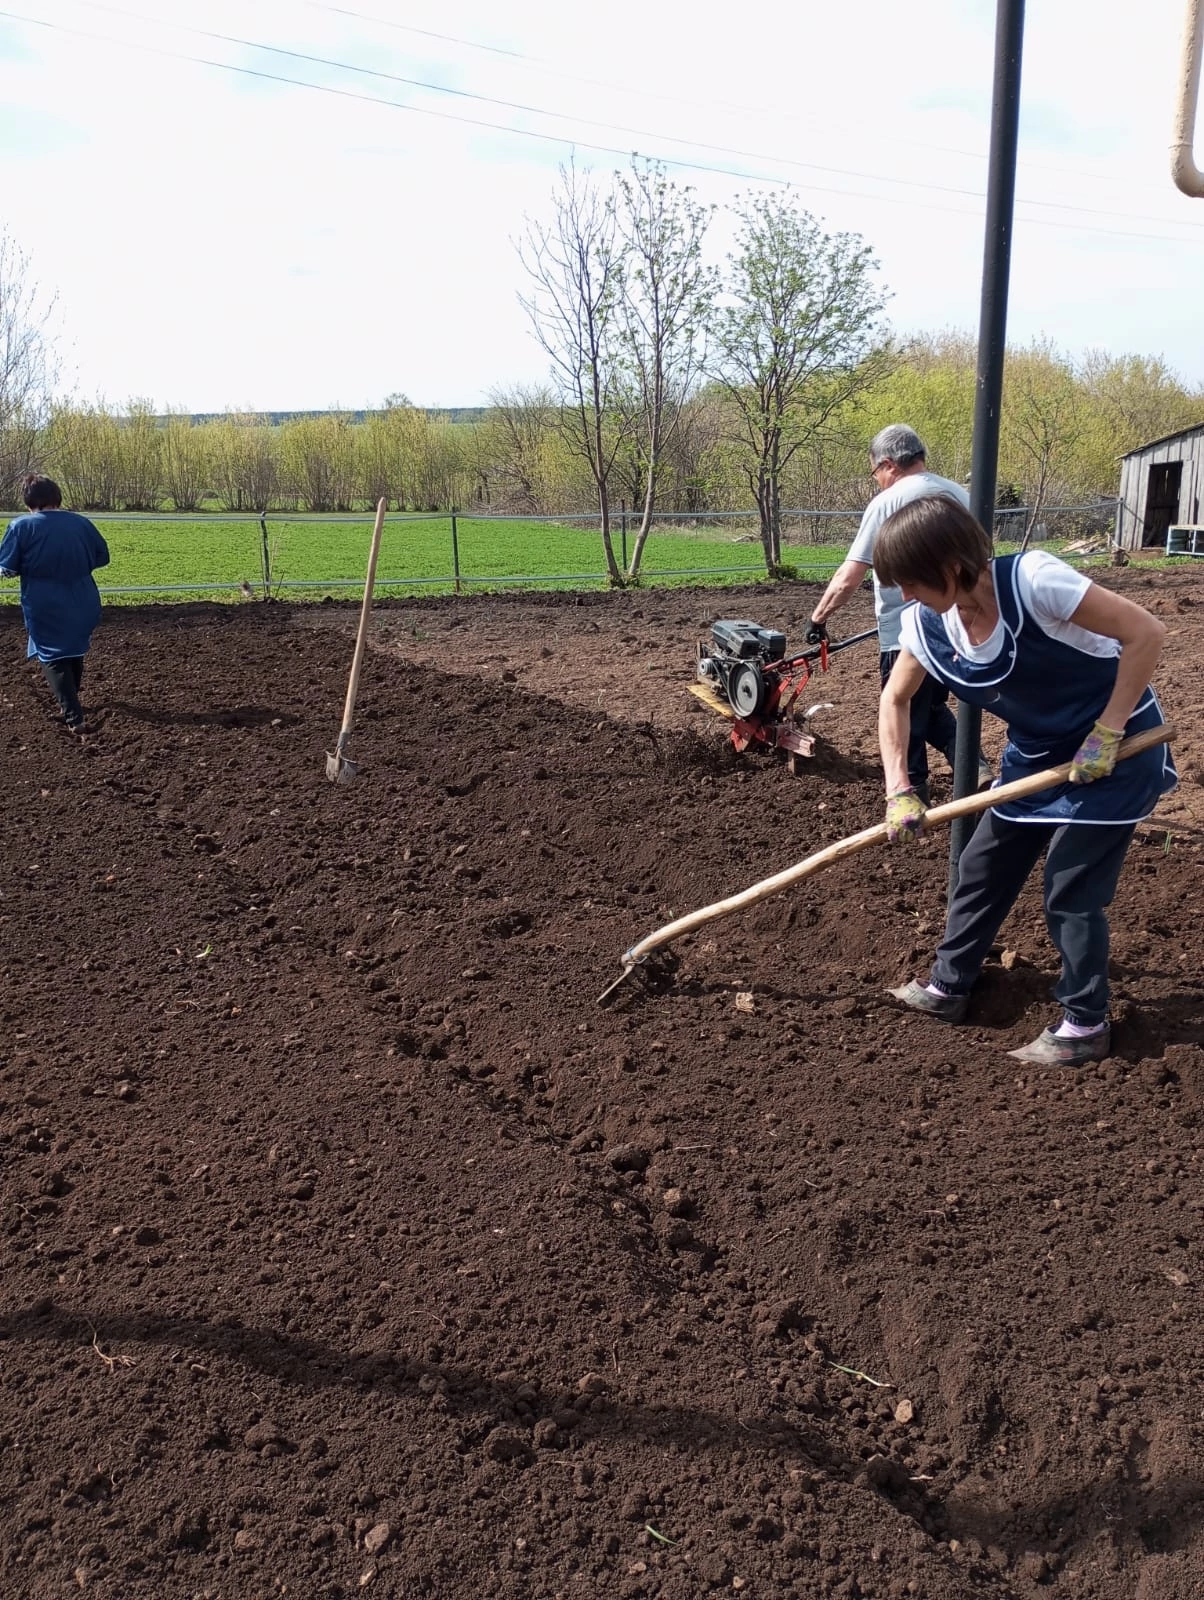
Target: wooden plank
{"x":710,"y":697}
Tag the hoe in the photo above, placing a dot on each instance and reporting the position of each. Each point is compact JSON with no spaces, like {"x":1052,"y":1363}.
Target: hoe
{"x":937,"y":816}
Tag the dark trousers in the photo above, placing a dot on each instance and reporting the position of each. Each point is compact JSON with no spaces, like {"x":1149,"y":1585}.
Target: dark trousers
{"x":932,"y":723}
{"x":64,"y":677}
{"x":1082,"y":866}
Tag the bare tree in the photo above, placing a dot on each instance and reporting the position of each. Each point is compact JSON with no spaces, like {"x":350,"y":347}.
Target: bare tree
{"x":667,"y":298}
{"x":799,"y":337}
{"x":27,"y":363}
{"x":514,"y":442}
{"x":574,"y":267}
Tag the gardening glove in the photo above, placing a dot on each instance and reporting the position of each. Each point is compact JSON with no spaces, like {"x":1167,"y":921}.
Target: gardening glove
{"x":817,"y":633}
{"x":905,"y":816}
{"x":1096,"y":756}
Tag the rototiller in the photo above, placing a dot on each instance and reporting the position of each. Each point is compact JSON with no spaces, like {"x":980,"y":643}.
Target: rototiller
{"x":745,"y":674}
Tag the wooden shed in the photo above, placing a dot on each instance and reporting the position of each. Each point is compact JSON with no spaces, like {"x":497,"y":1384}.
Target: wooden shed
{"x":1161,"y":487}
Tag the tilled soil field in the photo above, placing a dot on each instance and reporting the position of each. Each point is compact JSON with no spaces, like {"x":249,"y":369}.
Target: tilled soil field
{"x":351,"y":1247}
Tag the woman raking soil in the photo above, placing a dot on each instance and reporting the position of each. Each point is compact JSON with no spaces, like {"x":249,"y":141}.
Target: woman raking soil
{"x":1067,"y":666}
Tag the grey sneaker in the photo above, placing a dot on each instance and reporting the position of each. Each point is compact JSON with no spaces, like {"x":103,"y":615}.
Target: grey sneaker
{"x":986,"y":775}
{"x":944,"y":1007}
{"x":1049,"y":1051}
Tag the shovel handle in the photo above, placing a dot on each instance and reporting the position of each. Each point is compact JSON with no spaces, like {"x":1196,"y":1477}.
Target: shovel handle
{"x":966,"y":806}
{"x":361,"y":636}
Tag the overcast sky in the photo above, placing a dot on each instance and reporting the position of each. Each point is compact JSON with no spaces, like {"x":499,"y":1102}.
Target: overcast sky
{"x":220,"y":238}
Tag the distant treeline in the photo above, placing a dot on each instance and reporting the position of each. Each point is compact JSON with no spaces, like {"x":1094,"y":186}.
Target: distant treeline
{"x":276,"y":419}
{"x":1065,"y":422}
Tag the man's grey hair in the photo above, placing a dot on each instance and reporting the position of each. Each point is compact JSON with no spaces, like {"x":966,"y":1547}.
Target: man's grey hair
{"x":897,"y":443}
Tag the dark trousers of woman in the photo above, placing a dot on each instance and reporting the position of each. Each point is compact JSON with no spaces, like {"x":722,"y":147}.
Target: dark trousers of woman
{"x":64,"y":677}
{"x":932,"y":723}
{"x":1082,"y":866}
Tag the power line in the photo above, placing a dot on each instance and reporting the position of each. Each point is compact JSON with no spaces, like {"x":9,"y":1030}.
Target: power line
{"x":612,"y":127}
{"x":544,"y":64}
{"x":572,"y":142}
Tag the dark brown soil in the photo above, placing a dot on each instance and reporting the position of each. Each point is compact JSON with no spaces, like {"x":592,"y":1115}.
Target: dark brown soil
{"x":351,"y":1247}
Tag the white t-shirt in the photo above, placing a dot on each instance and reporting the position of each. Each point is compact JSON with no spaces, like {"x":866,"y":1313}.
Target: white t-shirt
{"x":1051,"y":593}
{"x":888,"y":602}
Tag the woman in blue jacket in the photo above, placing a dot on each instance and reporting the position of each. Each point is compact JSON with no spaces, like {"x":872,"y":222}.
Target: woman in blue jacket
{"x":54,"y":553}
{"x":1067,"y":666}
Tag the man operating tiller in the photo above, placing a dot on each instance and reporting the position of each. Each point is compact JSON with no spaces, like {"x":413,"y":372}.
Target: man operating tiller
{"x":898,"y":465}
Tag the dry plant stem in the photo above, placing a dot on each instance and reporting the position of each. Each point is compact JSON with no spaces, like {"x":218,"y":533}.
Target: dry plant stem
{"x":968,"y":805}
{"x":112,"y":1362}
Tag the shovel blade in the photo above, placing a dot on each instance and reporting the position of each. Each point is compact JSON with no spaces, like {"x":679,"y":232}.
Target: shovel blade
{"x":339,"y":769}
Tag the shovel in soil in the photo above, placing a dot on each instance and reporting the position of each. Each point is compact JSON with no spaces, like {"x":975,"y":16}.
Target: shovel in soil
{"x":339,"y":769}
{"x":967,"y":806}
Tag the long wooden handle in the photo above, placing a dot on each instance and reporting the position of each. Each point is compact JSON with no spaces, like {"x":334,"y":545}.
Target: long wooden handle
{"x":357,"y":659}
{"x":938,"y":815}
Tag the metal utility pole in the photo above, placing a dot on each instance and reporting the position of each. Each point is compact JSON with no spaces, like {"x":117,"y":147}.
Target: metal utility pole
{"x":992,"y":341}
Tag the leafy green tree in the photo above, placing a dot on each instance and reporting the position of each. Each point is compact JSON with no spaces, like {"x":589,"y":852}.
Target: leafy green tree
{"x":246,"y":461}
{"x":390,"y":449}
{"x":516,"y":459}
{"x":140,"y":458}
{"x":799,"y":335}
{"x":1135,"y":399}
{"x":84,"y":451}
{"x":932,"y":388}
{"x":1041,"y":423}
{"x":187,"y":461}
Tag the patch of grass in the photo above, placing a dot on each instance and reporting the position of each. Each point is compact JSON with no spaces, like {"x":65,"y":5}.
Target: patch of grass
{"x":313,"y":558}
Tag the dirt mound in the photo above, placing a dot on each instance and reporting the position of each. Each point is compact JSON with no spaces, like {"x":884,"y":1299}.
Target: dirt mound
{"x":350,"y":1247}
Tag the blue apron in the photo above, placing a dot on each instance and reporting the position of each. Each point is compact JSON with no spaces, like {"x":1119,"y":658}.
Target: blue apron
{"x":1050,"y":695}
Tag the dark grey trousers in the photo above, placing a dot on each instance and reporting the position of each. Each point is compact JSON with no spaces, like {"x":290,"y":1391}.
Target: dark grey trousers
{"x":932,"y":722}
{"x":1082,"y":867}
{"x":64,"y":677}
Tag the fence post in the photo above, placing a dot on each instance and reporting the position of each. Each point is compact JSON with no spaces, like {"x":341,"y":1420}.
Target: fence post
{"x":266,"y":554}
{"x":623,"y":530}
{"x":455,"y":550}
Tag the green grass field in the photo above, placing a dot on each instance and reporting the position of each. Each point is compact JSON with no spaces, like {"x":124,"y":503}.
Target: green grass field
{"x":310,"y":559}
{"x":211,"y":557}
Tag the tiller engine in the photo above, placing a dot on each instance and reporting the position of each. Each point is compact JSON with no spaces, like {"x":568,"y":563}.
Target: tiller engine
{"x":745,"y":674}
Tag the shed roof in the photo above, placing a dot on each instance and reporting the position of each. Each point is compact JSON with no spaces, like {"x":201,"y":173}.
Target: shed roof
{"x":1181,"y":433}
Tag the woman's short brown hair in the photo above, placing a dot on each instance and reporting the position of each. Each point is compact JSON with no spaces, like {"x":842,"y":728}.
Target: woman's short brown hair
{"x":929,"y":540}
{"x":41,"y":494}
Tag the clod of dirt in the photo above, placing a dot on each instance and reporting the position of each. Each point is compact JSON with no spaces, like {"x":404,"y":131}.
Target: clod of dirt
{"x":883,"y":1473}
{"x":508,"y":1444}
{"x":628,"y":1158}
{"x":263,"y":1434}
